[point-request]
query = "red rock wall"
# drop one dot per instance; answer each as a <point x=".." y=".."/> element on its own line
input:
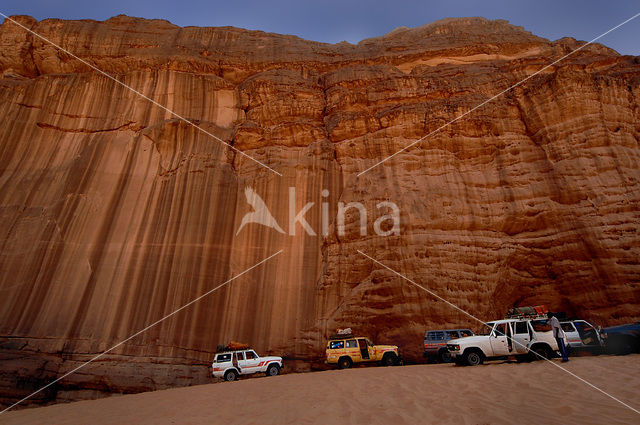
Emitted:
<point x="114" y="213"/>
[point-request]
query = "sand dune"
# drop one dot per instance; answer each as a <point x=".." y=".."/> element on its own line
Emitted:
<point x="495" y="393"/>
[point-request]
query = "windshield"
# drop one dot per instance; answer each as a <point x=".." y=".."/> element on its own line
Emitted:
<point x="485" y="329"/>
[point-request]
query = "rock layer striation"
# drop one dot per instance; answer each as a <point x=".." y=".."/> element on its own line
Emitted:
<point x="115" y="212"/>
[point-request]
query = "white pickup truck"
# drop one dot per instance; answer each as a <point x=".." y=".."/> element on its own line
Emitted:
<point x="524" y="338"/>
<point x="231" y="364"/>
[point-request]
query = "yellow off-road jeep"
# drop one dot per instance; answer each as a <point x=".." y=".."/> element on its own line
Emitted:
<point x="345" y="350"/>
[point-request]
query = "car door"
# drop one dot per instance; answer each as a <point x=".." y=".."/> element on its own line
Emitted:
<point x="499" y="343"/>
<point x="251" y="362"/>
<point x="572" y="335"/>
<point x="238" y="361"/>
<point x="352" y="350"/>
<point x="587" y="333"/>
<point x="521" y="337"/>
<point x="364" y="349"/>
<point x="371" y="349"/>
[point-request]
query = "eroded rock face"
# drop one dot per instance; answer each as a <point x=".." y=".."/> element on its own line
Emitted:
<point x="114" y="212"/>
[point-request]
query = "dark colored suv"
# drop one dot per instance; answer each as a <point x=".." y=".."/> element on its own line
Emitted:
<point x="435" y="343"/>
<point x="622" y="339"/>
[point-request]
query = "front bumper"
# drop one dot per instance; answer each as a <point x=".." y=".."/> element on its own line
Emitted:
<point x="454" y="351"/>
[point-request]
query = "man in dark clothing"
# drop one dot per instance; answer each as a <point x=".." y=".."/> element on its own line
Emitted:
<point x="558" y="334"/>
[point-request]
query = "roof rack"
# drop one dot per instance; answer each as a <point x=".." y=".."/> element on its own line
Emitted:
<point x="341" y="336"/>
<point x="342" y="333"/>
<point x="529" y="312"/>
<point x="233" y="346"/>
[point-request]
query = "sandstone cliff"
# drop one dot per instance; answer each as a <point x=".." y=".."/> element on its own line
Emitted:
<point x="114" y="213"/>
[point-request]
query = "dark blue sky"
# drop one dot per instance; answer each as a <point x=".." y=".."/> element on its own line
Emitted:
<point x="335" y="20"/>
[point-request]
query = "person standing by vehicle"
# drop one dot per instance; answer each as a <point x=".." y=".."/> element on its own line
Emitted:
<point x="558" y="334"/>
<point x="235" y="361"/>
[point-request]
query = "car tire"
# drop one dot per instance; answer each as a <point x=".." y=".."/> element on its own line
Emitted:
<point x="389" y="359"/>
<point x="273" y="370"/>
<point x="472" y="358"/>
<point x="540" y="352"/>
<point x="444" y="356"/>
<point x="230" y="375"/>
<point x="345" y="362"/>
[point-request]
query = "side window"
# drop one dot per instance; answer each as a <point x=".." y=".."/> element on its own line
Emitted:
<point x="466" y="332"/>
<point x="541" y="325"/>
<point x="452" y="335"/>
<point x="240" y="355"/>
<point x="437" y="336"/>
<point x="222" y="358"/>
<point x="500" y="329"/>
<point x="567" y="327"/>
<point x="584" y="325"/>
<point x="521" y="328"/>
<point x="352" y="343"/>
<point x="333" y="345"/>
<point x="250" y="355"/>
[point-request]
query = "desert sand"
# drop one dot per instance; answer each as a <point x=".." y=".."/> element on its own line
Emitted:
<point x="495" y="393"/>
<point x="114" y="213"/>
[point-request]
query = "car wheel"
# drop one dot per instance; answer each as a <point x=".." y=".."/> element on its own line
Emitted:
<point x="472" y="358"/>
<point x="273" y="370"/>
<point x="345" y="363"/>
<point x="540" y="353"/>
<point x="444" y="356"/>
<point x="230" y="375"/>
<point x="389" y="359"/>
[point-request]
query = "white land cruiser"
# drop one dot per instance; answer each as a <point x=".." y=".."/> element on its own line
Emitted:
<point x="527" y="339"/>
<point x="231" y="364"/>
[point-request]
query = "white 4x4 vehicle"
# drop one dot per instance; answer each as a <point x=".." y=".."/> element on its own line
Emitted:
<point x="231" y="364"/>
<point x="523" y="338"/>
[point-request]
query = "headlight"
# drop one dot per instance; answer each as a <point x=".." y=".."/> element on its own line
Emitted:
<point x="453" y="347"/>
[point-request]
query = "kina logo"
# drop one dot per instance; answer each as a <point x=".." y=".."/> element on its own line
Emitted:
<point x="385" y="225"/>
<point x="260" y="213"/>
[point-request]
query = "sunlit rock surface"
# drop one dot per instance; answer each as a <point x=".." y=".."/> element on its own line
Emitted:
<point x="114" y="212"/>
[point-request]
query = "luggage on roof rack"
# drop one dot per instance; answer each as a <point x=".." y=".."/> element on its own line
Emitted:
<point x="233" y="346"/>
<point x="342" y="333"/>
<point x="529" y="312"/>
